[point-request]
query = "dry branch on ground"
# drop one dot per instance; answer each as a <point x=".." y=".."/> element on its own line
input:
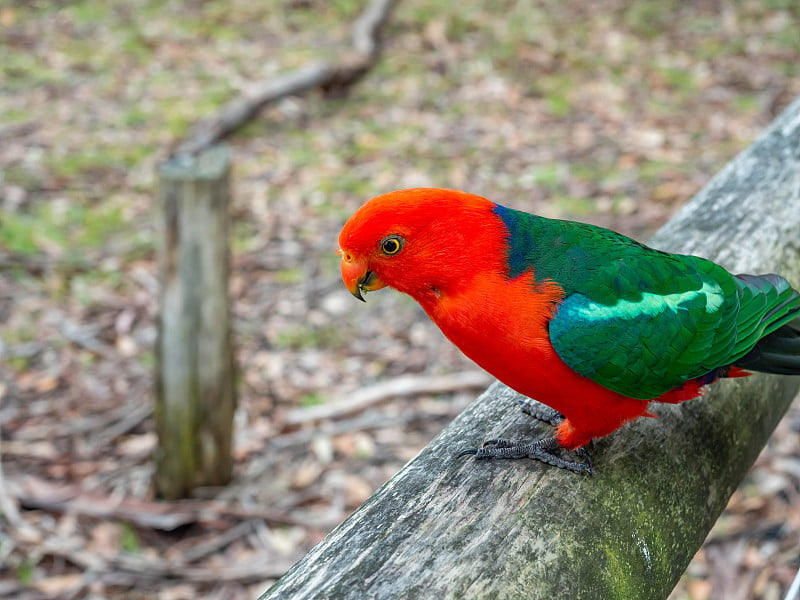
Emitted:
<point x="330" y="75"/>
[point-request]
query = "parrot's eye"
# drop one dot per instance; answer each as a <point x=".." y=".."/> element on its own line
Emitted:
<point x="391" y="245"/>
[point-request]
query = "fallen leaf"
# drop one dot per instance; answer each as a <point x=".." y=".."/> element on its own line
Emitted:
<point x="356" y="490"/>
<point x="306" y="474"/>
<point x="59" y="584"/>
<point x="138" y="445"/>
<point x="699" y="589"/>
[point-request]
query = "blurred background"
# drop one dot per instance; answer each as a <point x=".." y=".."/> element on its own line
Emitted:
<point x="613" y="112"/>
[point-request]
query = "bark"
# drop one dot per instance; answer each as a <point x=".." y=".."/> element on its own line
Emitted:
<point x="195" y="389"/>
<point x="456" y="528"/>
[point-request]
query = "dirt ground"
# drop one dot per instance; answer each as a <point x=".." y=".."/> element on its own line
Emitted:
<point x="611" y="112"/>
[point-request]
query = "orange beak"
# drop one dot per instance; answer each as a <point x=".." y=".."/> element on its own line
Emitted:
<point x="357" y="277"/>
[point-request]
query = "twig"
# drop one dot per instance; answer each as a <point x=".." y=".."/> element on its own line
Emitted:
<point x="201" y="549"/>
<point x="240" y="110"/>
<point x="108" y="425"/>
<point x="18" y="129"/>
<point x="83" y="337"/>
<point x="10" y="510"/>
<point x="22" y="350"/>
<point x="361" y="422"/>
<point x="167" y="516"/>
<point x="40" y="264"/>
<point x="130" y="419"/>
<point x="138" y="568"/>
<point x="408" y="385"/>
<point x="318" y="74"/>
<point x="367" y="27"/>
<point x="257" y="466"/>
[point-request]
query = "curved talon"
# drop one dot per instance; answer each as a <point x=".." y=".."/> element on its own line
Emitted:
<point x="584" y="454"/>
<point x="496" y="443"/>
<point x="488" y="444"/>
<point x="472" y="451"/>
<point x="541" y="412"/>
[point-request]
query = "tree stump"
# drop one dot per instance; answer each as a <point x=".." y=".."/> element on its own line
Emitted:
<point x="195" y="389"/>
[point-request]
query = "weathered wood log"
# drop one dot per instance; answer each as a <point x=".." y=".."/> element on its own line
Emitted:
<point x="195" y="388"/>
<point x="457" y="528"/>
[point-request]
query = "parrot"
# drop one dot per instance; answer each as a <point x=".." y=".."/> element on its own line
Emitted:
<point x="590" y="323"/>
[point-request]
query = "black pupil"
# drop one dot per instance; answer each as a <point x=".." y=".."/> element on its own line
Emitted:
<point x="391" y="246"/>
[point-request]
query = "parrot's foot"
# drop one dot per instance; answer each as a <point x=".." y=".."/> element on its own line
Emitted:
<point x="541" y="412"/>
<point x="543" y="450"/>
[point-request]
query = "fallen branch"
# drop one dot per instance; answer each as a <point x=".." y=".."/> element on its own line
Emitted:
<point x="323" y="74"/>
<point x="83" y="336"/>
<point x="40" y="264"/>
<point x="9" y="508"/>
<point x="199" y="549"/>
<point x="18" y="129"/>
<point x="362" y="422"/>
<point x="137" y="569"/>
<point x="104" y="427"/>
<point x="407" y="385"/>
<point x="128" y="421"/>
<point x="35" y="493"/>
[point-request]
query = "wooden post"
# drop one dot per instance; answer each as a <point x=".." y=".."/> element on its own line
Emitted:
<point x="447" y="527"/>
<point x="195" y="389"/>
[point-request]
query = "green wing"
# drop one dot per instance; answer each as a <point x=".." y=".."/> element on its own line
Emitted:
<point x="689" y="317"/>
<point x="639" y="321"/>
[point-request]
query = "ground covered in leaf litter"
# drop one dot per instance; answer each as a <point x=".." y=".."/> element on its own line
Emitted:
<point x="611" y="112"/>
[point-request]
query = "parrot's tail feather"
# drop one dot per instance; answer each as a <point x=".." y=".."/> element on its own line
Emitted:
<point x="734" y="372"/>
<point x="778" y="292"/>
<point x="777" y="353"/>
<point x="695" y="387"/>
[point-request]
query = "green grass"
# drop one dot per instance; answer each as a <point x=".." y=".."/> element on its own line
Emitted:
<point x="574" y="206"/>
<point x="67" y="228"/>
<point x="312" y="399"/>
<point x="25" y="572"/>
<point x="289" y="276"/>
<point x="550" y="176"/>
<point x="747" y="102"/>
<point x="648" y="19"/>
<point x="678" y="79"/>
<point x="309" y="336"/>
<point x="129" y="539"/>
<point x="21" y="71"/>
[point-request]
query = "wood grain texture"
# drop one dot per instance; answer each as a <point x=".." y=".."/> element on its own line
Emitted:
<point x="458" y="528"/>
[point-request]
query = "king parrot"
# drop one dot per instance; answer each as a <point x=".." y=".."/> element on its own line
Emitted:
<point x="585" y="320"/>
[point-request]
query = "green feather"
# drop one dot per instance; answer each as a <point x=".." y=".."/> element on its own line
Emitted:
<point x="637" y="320"/>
